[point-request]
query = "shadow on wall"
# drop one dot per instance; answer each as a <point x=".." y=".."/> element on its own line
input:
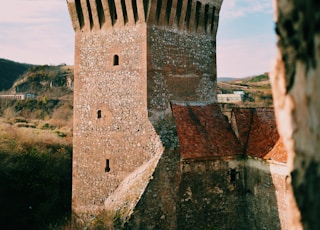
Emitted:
<point x="226" y="191"/>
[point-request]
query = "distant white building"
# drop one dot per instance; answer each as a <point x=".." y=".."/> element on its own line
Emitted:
<point x="18" y="96"/>
<point x="241" y="92"/>
<point x="236" y="96"/>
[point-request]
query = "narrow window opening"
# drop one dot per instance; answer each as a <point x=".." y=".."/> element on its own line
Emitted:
<point x="107" y="168"/>
<point x="135" y="10"/>
<point x="188" y="13"/>
<point x="113" y="12"/>
<point x="233" y="175"/>
<point x="115" y="60"/>
<point x="212" y="20"/>
<point x="168" y="10"/>
<point x="178" y="11"/>
<point x="146" y="8"/>
<point x="159" y="4"/>
<point x="90" y="14"/>
<point x="198" y="9"/>
<point x="206" y="17"/>
<point x="100" y="12"/>
<point x="79" y="13"/>
<point x="99" y="114"/>
<point x="124" y="11"/>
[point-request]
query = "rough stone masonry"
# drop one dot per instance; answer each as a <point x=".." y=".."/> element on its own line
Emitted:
<point x="131" y="59"/>
<point x="135" y="61"/>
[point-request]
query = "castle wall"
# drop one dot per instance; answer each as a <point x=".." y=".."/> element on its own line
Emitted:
<point x="224" y="193"/>
<point x="112" y="133"/>
<point x="211" y="194"/>
<point x="266" y="194"/>
<point x="181" y="66"/>
<point x="193" y="194"/>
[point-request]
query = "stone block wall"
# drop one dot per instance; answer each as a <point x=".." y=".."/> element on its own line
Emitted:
<point x="266" y="195"/>
<point x="211" y="194"/>
<point x="193" y="194"/>
<point x="112" y="133"/>
<point x="181" y="67"/>
<point x="222" y="193"/>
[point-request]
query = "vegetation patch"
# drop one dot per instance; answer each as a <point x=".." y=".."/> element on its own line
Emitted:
<point x="35" y="187"/>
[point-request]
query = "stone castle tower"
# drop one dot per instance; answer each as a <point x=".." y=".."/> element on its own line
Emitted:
<point x="132" y="58"/>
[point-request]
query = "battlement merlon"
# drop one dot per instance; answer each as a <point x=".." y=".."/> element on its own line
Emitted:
<point x="195" y="16"/>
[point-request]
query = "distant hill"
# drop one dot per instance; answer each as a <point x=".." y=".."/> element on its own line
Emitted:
<point x="257" y="90"/>
<point x="226" y="79"/>
<point x="10" y="71"/>
<point x="45" y="80"/>
<point x="52" y="89"/>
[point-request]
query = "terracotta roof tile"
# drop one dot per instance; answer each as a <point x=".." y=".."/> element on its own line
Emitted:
<point x="263" y="140"/>
<point x="241" y="119"/>
<point x="278" y="152"/>
<point x="204" y="132"/>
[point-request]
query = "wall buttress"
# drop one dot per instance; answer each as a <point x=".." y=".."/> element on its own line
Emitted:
<point x="106" y="10"/>
<point x="94" y="13"/>
<point x="182" y="19"/>
<point x="74" y="15"/>
<point x="119" y="10"/>
<point x="192" y="18"/>
<point x="173" y="12"/>
<point x="131" y="20"/>
<point x="141" y="13"/>
<point x="86" y="20"/>
<point x="201" y="19"/>
<point x="210" y="19"/>
<point x="153" y="12"/>
<point x="162" y="16"/>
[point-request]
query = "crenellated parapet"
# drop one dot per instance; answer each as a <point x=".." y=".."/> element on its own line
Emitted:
<point x="92" y="15"/>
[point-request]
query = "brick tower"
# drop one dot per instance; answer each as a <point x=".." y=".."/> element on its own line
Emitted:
<point x="132" y="59"/>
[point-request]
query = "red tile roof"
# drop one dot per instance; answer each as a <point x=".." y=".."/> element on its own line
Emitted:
<point x="204" y="132"/>
<point x="241" y="119"/>
<point x="261" y="134"/>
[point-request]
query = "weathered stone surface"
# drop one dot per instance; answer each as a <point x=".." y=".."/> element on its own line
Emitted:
<point x="296" y="93"/>
<point x="131" y="59"/>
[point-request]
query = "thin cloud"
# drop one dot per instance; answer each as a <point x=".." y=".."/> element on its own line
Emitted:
<point x="232" y="9"/>
<point x="31" y="11"/>
<point x="36" y="32"/>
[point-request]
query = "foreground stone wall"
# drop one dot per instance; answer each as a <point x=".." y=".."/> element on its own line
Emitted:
<point x="266" y="194"/>
<point x="295" y="82"/>
<point x="211" y="194"/>
<point x="221" y="193"/>
<point x="193" y="194"/>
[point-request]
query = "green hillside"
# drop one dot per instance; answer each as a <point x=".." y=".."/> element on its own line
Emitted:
<point x="10" y="71"/>
<point x="257" y="90"/>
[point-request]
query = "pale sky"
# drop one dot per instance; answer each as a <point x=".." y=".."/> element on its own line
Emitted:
<point x="40" y="32"/>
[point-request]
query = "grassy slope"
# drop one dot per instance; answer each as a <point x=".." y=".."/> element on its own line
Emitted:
<point x="257" y="89"/>
<point x="36" y="153"/>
